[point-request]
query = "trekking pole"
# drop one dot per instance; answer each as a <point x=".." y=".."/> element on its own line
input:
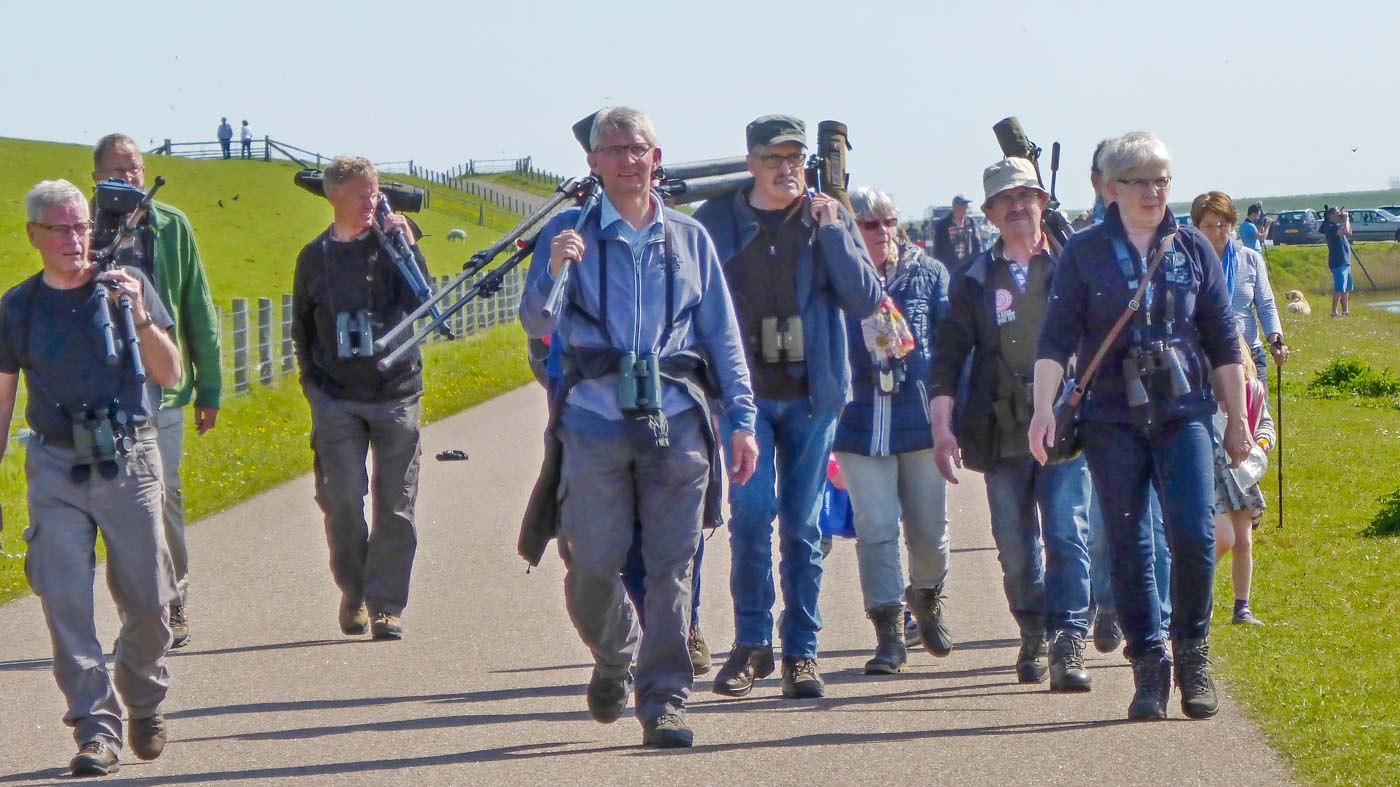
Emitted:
<point x="1357" y="257"/>
<point x="1278" y="440"/>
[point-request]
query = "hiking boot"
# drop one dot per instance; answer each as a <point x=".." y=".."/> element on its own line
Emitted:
<point x="1030" y="662"/>
<point x="802" y="680"/>
<point x="744" y="666"/>
<point x="927" y="606"/>
<point x="354" y="616"/>
<point x="667" y="731"/>
<point x="890" y="654"/>
<point x="699" y="651"/>
<point x="1067" y="663"/>
<point x="95" y="758"/>
<point x="607" y="696"/>
<point x="1152" y="680"/>
<point x="179" y="627"/>
<point x="1198" y="699"/>
<point x="386" y="626"/>
<point x="912" y="637"/>
<point x="147" y="737"/>
<point x="1107" y="635"/>
<point x="1243" y="615"/>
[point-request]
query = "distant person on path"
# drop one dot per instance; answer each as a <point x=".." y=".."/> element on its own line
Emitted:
<point x="1255" y="229"/>
<point x="246" y="134"/>
<point x="997" y="305"/>
<point x="616" y="457"/>
<point x="164" y="249"/>
<point x="1239" y="503"/>
<point x="1146" y="420"/>
<point x="1247" y="275"/>
<point x="795" y="265"/>
<point x="884" y="446"/>
<point x="955" y="240"/>
<point x="346" y="292"/>
<point x="225" y="137"/>
<point x="1336" y="228"/>
<point x="83" y="479"/>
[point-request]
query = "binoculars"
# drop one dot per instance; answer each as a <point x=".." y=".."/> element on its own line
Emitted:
<point x="889" y="376"/>
<point x="638" y="382"/>
<point x="97" y="439"/>
<point x="1148" y="360"/>
<point x="354" y="334"/>
<point x="781" y="340"/>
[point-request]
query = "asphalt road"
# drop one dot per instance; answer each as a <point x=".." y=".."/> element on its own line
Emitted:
<point x="487" y="687"/>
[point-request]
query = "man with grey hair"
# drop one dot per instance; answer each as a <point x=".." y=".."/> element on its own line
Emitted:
<point x="92" y="466"/>
<point x="346" y="292"/>
<point x="164" y="249"/>
<point x="649" y="339"/>
<point x="1038" y="514"/>
<point x="794" y="264"/>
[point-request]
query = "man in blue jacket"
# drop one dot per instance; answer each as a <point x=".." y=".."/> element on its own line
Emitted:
<point x="793" y="263"/>
<point x="648" y="339"/>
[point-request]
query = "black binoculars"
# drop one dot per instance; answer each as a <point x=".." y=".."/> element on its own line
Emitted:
<point x="782" y="340"/>
<point x="638" y="382"/>
<point x="354" y="334"/>
<point x="1144" y="362"/>
<point x="97" y="439"/>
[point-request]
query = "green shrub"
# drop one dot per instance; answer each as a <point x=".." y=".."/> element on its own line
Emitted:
<point x="1353" y="377"/>
<point x="1387" y="520"/>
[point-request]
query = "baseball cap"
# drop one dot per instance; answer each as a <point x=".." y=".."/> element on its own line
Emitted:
<point x="961" y="200"/>
<point x="1007" y="174"/>
<point x="774" y="130"/>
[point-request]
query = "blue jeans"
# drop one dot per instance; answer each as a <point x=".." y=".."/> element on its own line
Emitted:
<point x="634" y="577"/>
<point x="1178" y="462"/>
<point x="1101" y="561"/>
<point x="793" y="446"/>
<point x="1053" y="596"/>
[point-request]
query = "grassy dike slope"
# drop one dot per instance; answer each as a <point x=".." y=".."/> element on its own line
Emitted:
<point x="249" y="248"/>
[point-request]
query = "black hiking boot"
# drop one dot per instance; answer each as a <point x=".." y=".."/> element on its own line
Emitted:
<point x="744" y="666"/>
<point x="94" y="758"/>
<point x="1198" y="698"/>
<point x="891" y="656"/>
<point x="926" y="604"/>
<point x="1107" y="635"/>
<point x="1030" y="662"/>
<point x="1067" y="663"/>
<point x="667" y="731"/>
<point x="1152" y="679"/>
<point x="607" y="696"/>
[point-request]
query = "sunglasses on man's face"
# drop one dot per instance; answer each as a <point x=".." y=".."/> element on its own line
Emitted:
<point x="875" y="224"/>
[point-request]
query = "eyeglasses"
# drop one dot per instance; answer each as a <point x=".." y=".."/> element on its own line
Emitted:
<point x="634" y="152"/>
<point x="875" y="224"/>
<point x="82" y="227"/>
<point x="1147" y="184"/>
<point x="1215" y="225"/>
<point x="774" y="160"/>
<point x="1022" y="195"/>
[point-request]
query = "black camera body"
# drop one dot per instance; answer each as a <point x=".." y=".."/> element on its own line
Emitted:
<point x="112" y="202"/>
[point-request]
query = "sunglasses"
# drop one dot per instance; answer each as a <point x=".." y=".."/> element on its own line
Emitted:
<point x="875" y="224"/>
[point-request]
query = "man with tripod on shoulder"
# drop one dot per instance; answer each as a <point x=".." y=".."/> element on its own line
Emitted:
<point x="92" y="466"/>
<point x="164" y="249"/>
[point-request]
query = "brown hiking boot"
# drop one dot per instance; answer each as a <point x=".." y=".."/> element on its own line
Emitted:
<point x="699" y="652"/>
<point x="147" y="736"/>
<point x="386" y="626"/>
<point x="179" y="627"/>
<point x="354" y="616"/>
<point x="95" y="758"/>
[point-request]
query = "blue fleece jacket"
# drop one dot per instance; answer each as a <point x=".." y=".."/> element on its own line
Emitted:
<point x="834" y="274"/>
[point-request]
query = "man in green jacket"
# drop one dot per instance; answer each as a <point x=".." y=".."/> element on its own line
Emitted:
<point x="165" y="251"/>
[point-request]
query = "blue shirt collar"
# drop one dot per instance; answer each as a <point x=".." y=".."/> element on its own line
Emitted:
<point x="608" y="216"/>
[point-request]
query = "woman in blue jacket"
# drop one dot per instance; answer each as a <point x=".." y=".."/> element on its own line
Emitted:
<point x="884" y="443"/>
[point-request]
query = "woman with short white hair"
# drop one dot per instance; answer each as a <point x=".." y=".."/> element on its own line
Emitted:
<point x="1149" y="298"/>
<point x="884" y="441"/>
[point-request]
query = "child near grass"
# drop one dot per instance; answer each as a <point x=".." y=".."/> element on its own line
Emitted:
<point x="1239" y="504"/>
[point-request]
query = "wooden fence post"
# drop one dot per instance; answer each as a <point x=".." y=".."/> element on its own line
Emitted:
<point x="265" y="341"/>
<point x="288" y="360"/>
<point x="481" y="216"/>
<point x="240" y="345"/>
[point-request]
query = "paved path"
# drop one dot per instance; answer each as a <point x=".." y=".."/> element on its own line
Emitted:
<point x="488" y="686"/>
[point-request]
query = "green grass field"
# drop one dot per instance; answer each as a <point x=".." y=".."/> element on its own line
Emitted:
<point x="1305" y="267"/>
<point x="517" y="180"/>
<point x="1347" y="199"/>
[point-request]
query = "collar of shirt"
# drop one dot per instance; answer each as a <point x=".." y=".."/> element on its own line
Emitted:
<point x="610" y="219"/>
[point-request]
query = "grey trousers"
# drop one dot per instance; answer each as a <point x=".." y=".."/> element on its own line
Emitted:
<point x="60" y="564"/>
<point x="608" y="486"/>
<point x="170" y="437"/>
<point x="371" y="562"/>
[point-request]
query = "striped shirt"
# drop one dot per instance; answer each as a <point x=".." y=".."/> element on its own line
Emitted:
<point x="1252" y="292"/>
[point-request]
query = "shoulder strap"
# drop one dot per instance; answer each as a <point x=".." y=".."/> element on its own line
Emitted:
<point x="1133" y="305"/>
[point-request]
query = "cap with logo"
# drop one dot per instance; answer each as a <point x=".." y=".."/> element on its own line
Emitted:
<point x="772" y="130"/>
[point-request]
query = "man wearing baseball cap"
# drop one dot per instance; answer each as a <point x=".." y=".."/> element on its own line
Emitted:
<point x="997" y="304"/>
<point x="793" y="263"/>
<point x="955" y="240"/>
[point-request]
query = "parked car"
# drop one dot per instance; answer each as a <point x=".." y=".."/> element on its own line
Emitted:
<point x="1374" y="224"/>
<point x="1393" y="210"/>
<point x="1296" y="227"/>
<point x="1183" y="219"/>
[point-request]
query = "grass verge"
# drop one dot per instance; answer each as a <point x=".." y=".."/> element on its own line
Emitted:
<point x="1322" y="679"/>
<point x="263" y="439"/>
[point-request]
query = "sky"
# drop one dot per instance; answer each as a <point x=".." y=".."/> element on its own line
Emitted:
<point x="1252" y="99"/>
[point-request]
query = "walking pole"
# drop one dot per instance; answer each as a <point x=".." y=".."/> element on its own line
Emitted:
<point x="1278" y="439"/>
<point x="1357" y="257"/>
